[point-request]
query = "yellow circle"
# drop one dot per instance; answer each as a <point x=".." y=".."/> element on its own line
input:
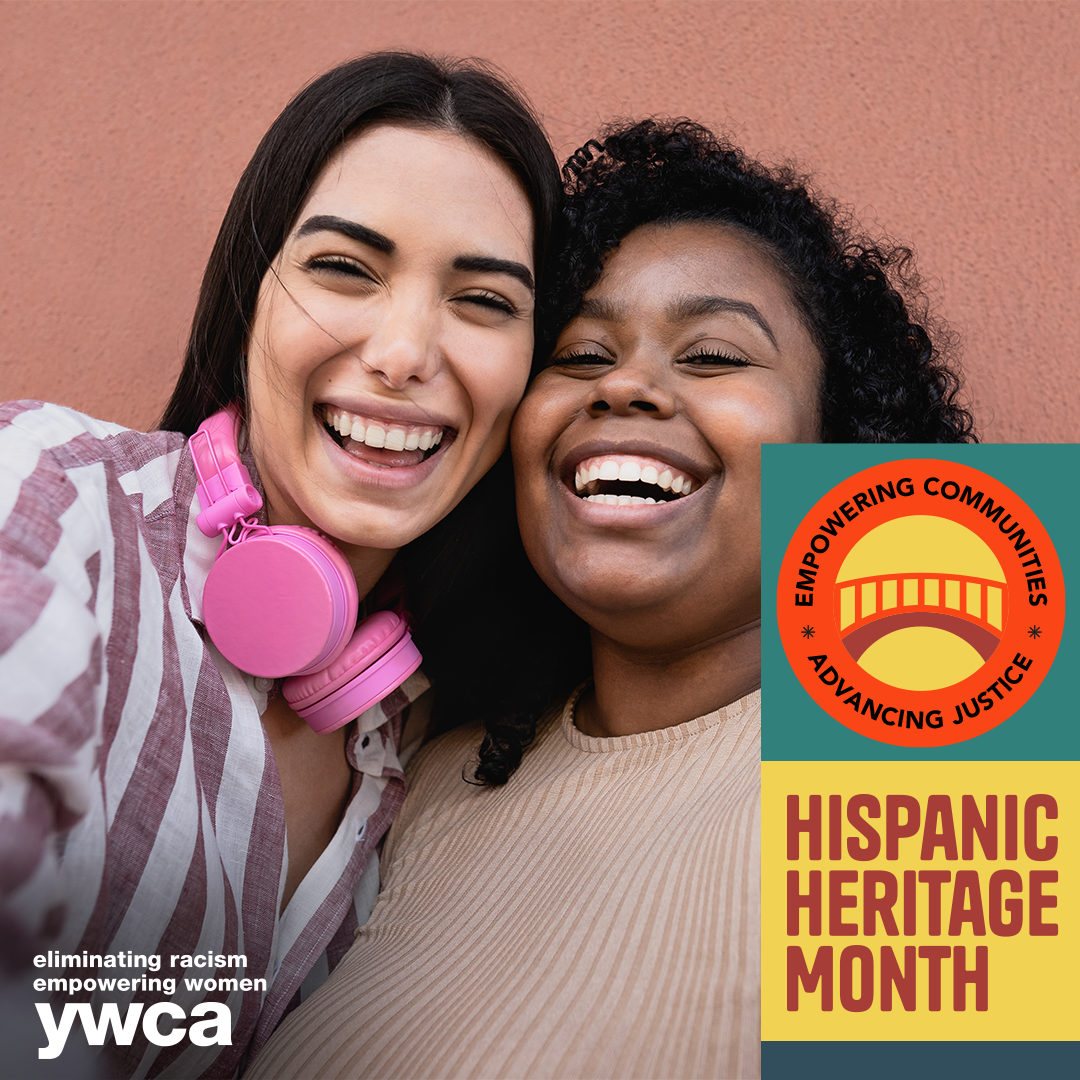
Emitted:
<point x="920" y="658"/>
<point x="921" y="544"/>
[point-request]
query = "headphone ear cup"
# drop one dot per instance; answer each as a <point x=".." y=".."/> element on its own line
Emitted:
<point x="379" y="657"/>
<point x="281" y="602"/>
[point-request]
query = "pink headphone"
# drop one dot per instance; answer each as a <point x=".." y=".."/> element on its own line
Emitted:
<point x="281" y="599"/>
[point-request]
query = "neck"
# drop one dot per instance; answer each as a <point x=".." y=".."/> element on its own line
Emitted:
<point x="636" y="690"/>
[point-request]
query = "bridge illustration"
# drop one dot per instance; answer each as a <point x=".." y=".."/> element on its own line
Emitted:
<point x="868" y="608"/>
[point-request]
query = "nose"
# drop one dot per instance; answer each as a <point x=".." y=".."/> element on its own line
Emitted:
<point x="404" y="345"/>
<point x="631" y="387"/>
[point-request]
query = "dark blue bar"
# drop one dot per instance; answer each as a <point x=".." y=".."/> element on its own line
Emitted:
<point x="924" y="1060"/>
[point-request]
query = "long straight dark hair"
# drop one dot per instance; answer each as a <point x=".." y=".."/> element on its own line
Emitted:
<point x="462" y="96"/>
<point x="457" y="573"/>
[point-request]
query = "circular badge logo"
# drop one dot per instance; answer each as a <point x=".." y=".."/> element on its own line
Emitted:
<point x="920" y="602"/>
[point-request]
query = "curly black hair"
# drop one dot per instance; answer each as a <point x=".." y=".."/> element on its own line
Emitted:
<point x="889" y="370"/>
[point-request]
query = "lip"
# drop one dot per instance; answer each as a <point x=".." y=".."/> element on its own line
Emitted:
<point x="401" y="477"/>
<point x="642" y="515"/>
<point x="567" y="466"/>
<point x="392" y="412"/>
<point x="632" y="517"/>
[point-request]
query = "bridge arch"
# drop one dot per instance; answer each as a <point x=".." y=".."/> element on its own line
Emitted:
<point x="868" y="608"/>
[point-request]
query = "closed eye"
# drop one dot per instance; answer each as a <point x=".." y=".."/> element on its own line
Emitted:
<point x="338" y="264"/>
<point x="490" y="300"/>
<point x="711" y="358"/>
<point x="580" y="358"/>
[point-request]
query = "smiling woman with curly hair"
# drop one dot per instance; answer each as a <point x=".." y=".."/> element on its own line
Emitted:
<point x="888" y="372"/>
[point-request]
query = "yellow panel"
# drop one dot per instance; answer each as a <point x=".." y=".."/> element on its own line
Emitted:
<point x="993" y="606"/>
<point x="847" y="606"/>
<point x="930" y="591"/>
<point x="869" y="598"/>
<point x="952" y="594"/>
<point x="888" y="594"/>
<point x="911" y="592"/>
<point x="974" y="599"/>
<point x="1028" y="980"/>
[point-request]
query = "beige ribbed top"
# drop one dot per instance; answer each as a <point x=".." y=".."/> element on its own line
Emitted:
<point x="596" y="917"/>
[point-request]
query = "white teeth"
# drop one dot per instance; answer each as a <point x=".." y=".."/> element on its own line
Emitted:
<point x="380" y="435"/>
<point x="631" y="471"/>
<point x="620" y="500"/>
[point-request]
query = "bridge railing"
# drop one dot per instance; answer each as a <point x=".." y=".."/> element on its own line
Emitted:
<point x="862" y="600"/>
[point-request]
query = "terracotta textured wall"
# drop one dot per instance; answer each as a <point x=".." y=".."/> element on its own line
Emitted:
<point x="123" y="128"/>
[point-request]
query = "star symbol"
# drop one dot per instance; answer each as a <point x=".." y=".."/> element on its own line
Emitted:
<point x="807" y="631"/>
<point x="1034" y="631"/>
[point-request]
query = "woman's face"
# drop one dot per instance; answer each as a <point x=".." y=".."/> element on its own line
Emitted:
<point x="637" y="451"/>
<point x="392" y="337"/>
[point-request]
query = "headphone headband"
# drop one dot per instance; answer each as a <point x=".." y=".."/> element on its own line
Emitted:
<point x="226" y="493"/>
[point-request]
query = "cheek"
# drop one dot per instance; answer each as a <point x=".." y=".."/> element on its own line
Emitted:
<point x="494" y="379"/>
<point x="538" y="422"/>
<point x="278" y="370"/>
<point x="532" y="438"/>
<point x="521" y="435"/>
<point x="782" y="414"/>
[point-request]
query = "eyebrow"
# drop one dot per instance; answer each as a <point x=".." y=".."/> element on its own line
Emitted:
<point x="488" y="264"/>
<point x="680" y="310"/>
<point x="602" y="310"/>
<point x="485" y="264"/>
<point x="352" y="229"/>
<point x="692" y="307"/>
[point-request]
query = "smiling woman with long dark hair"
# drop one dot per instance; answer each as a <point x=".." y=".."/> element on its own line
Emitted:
<point x="363" y="335"/>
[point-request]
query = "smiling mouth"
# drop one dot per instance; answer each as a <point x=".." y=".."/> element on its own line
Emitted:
<point x="380" y="442"/>
<point x="627" y="480"/>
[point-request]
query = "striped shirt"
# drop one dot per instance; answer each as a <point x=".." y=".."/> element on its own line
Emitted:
<point x="140" y="806"/>
<point x="596" y="917"/>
